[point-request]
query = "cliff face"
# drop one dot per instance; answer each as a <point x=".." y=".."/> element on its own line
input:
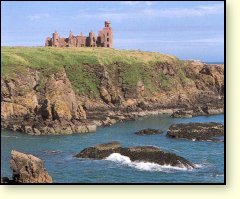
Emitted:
<point x="52" y="91"/>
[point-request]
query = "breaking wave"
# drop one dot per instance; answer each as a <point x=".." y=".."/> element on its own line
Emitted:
<point x="143" y="166"/>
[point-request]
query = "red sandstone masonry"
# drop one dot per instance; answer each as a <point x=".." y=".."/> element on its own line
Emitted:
<point x="104" y="39"/>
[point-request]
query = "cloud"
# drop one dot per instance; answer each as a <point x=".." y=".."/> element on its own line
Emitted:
<point x="133" y="3"/>
<point x="130" y="2"/>
<point x="120" y="15"/>
<point x="38" y="16"/>
<point x="186" y="12"/>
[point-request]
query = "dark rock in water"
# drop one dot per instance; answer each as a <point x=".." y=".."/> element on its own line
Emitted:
<point x="6" y="180"/>
<point x="100" y="151"/>
<point x="27" y="169"/>
<point x="196" y="131"/>
<point x="155" y="155"/>
<point x="139" y="153"/>
<point x="182" y="114"/>
<point x="149" y="132"/>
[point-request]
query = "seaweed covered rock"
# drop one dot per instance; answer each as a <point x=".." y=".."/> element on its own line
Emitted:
<point x="196" y="131"/>
<point x="100" y="151"/>
<point x="156" y="155"/>
<point x="138" y="153"/>
<point x="149" y="132"/>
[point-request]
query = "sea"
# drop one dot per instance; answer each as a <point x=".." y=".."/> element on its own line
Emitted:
<point x="57" y="152"/>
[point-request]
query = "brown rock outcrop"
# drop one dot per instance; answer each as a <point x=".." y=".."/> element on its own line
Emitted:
<point x="53" y="109"/>
<point x="27" y="169"/>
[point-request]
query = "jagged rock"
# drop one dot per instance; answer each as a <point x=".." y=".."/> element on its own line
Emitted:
<point x="61" y="110"/>
<point x="9" y="109"/>
<point x="81" y="129"/>
<point x="27" y="169"/>
<point x="155" y="155"/>
<point x="149" y="132"/>
<point x="183" y="114"/>
<point x="139" y="153"/>
<point x="100" y="151"/>
<point x="105" y="95"/>
<point x="196" y="131"/>
<point x="129" y="103"/>
<point x="212" y="110"/>
<point x="92" y="127"/>
<point x="61" y="98"/>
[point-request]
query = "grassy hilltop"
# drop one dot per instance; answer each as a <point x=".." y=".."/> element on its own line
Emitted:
<point x="126" y="67"/>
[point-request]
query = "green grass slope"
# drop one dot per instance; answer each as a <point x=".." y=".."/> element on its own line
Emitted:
<point x="84" y="65"/>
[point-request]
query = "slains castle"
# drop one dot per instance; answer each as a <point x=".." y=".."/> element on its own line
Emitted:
<point x="104" y="39"/>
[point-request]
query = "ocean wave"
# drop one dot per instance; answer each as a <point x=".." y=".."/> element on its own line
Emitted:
<point x="198" y="165"/>
<point x="219" y="175"/>
<point x="143" y="166"/>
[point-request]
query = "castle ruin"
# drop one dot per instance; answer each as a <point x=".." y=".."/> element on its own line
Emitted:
<point x="104" y="39"/>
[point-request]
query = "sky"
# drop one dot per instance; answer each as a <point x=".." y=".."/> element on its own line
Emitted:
<point x="186" y="29"/>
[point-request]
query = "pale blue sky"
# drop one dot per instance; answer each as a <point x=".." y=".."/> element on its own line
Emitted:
<point x="189" y="30"/>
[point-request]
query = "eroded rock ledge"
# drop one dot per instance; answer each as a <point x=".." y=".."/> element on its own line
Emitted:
<point x="197" y="131"/>
<point x="27" y="169"/>
<point x="138" y="153"/>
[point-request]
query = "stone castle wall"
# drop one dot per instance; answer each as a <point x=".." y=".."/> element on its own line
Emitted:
<point x="104" y="39"/>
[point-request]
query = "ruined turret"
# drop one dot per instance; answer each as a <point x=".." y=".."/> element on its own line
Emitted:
<point x="92" y="39"/>
<point x="55" y="39"/>
<point x="70" y="39"/>
<point x="104" y="39"/>
<point x="106" y="36"/>
<point x="107" y="23"/>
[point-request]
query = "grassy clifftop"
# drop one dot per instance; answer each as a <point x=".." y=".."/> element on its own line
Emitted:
<point x="84" y="65"/>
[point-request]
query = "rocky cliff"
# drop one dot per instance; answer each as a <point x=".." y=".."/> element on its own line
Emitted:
<point x="63" y="91"/>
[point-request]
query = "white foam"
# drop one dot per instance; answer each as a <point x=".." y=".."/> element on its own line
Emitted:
<point x="198" y="165"/>
<point x="144" y="166"/>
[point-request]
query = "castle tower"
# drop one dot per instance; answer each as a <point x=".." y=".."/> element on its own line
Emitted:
<point x="107" y="35"/>
<point x="70" y="42"/>
<point x="107" y="23"/>
<point x="70" y="34"/>
<point x="55" y="39"/>
<point x="92" y="39"/>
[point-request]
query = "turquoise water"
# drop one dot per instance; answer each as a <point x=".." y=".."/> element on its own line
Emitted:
<point x="64" y="168"/>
